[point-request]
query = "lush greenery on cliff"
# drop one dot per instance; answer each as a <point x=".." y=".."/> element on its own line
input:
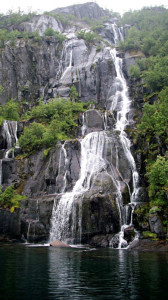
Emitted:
<point x="50" y="122"/>
<point x="148" y="32"/>
<point x="46" y="123"/>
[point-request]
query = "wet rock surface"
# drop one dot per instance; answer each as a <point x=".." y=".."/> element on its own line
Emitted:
<point x="10" y="224"/>
<point x="129" y="233"/>
<point x="99" y="215"/>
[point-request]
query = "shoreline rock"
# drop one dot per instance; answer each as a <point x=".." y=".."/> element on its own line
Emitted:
<point x="59" y="244"/>
<point x="149" y="245"/>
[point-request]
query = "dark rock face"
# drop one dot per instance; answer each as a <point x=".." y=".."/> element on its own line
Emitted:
<point x="10" y="224"/>
<point x="41" y="174"/>
<point x="129" y="234"/>
<point x="35" y="215"/>
<point x="93" y="121"/>
<point x="30" y="70"/>
<point x="100" y="240"/>
<point x="156" y="225"/>
<point x="99" y="215"/>
<point x="149" y="245"/>
<point x="30" y="222"/>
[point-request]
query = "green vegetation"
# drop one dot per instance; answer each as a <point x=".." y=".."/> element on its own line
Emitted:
<point x="56" y="34"/>
<point x="52" y="122"/>
<point x="148" y="29"/>
<point x="11" y="36"/>
<point x="89" y="36"/>
<point x="149" y="234"/>
<point x="158" y="182"/>
<point x="15" y="18"/>
<point x="73" y="94"/>
<point x="9" y="111"/>
<point x="148" y="33"/>
<point x="10" y="198"/>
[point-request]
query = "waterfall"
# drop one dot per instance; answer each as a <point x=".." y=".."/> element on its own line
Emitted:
<point x="9" y="132"/>
<point x="98" y="150"/>
<point x="122" y="103"/>
<point x="62" y="168"/>
<point x="69" y="67"/>
<point x="92" y="163"/>
<point x="10" y="135"/>
<point x="121" y="97"/>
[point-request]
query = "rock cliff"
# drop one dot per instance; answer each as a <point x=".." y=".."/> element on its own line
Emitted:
<point x="47" y="68"/>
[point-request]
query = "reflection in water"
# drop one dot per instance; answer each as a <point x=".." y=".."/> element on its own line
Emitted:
<point x="51" y="273"/>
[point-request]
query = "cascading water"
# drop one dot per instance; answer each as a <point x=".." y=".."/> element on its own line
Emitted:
<point x="92" y="163"/>
<point x="122" y="103"/>
<point x="10" y="135"/>
<point x="62" y="169"/>
<point x="9" y="131"/>
<point x="66" y="219"/>
<point x="69" y="67"/>
<point x="121" y="97"/>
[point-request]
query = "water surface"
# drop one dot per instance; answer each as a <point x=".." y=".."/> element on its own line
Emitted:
<point x="39" y="273"/>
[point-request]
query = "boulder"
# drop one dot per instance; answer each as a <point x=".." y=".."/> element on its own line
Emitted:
<point x="114" y="241"/>
<point x="129" y="233"/>
<point x="59" y="244"/>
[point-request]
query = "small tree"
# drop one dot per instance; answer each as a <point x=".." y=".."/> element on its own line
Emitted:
<point x="49" y="32"/>
<point x="158" y="181"/>
<point x="32" y="139"/>
<point x="73" y="94"/>
<point x="10" y="111"/>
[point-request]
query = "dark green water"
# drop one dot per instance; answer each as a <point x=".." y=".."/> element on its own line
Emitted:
<point x="39" y="273"/>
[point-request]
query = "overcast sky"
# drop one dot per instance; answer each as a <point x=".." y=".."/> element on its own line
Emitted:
<point x="47" y="5"/>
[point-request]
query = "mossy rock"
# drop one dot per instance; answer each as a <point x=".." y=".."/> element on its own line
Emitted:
<point x="149" y="234"/>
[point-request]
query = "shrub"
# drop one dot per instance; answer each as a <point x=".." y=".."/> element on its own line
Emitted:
<point x="10" y="198"/>
<point x="89" y="36"/>
<point x="73" y="93"/>
<point x="9" y="111"/>
<point x="56" y="34"/>
<point x="148" y="234"/>
<point x="134" y="71"/>
<point x="32" y="139"/>
<point x="158" y="181"/>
